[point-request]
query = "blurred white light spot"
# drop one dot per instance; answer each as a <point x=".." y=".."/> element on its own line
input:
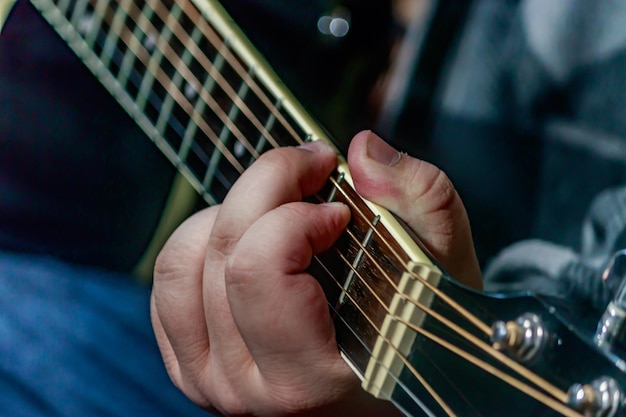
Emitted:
<point x="150" y="41"/>
<point x="191" y="91"/>
<point x="339" y="27"/>
<point x="85" y="24"/>
<point x="333" y="26"/>
<point x="240" y="149"/>
<point x="323" y="24"/>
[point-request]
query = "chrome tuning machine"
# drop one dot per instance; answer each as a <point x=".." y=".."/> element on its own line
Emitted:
<point x="601" y="398"/>
<point x="611" y="332"/>
<point x="523" y="337"/>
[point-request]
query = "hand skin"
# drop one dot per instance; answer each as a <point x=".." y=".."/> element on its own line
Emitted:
<point x="243" y="329"/>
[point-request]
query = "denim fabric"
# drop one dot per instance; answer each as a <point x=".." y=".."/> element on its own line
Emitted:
<point x="76" y="341"/>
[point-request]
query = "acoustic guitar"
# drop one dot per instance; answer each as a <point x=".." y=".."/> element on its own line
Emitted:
<point x="414" y="336"/>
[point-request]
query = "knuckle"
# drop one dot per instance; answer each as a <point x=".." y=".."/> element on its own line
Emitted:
<point x="435" y="191"/>
<point x="166" y="264"/>
<point x="239" y="268"/>
<point x="280" y="158"/>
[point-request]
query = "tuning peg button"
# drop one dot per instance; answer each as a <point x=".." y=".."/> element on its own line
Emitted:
<point x="614" y="277"/>
<point x="610" y="330"/>
<point x="601" y="398"/>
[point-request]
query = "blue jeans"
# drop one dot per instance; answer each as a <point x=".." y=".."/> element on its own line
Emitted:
<point x="75" y="341"/>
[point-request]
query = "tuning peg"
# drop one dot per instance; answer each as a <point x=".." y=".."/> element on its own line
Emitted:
<point x="601" y="398"/>
<point x="610" y="330"/>
<point x="524" y="337"/>
<point x="613" y="277"/>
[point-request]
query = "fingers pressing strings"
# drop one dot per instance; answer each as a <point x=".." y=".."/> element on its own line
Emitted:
<point x="134" y="44"/>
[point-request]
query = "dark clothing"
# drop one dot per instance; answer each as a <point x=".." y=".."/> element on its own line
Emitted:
<point x="530" y="124"/>
<point x="78" y="179"/>
<point x="529" y="118"/>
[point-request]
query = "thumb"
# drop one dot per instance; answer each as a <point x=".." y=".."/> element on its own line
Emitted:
<point x="421" y="195"/>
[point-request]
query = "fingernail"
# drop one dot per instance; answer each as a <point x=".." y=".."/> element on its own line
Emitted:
<point x="380" y="151"/>
<point x="317" y="146"/>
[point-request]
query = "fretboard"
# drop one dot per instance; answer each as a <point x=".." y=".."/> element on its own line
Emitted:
<point x="202" y="93"/>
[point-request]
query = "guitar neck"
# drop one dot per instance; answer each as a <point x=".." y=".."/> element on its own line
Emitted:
<point x="201" y="92"/>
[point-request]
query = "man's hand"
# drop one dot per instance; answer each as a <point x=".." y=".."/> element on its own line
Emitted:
<point x="242" y="327"/>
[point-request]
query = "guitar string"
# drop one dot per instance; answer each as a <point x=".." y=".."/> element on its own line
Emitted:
<point x="548" y="387"/>
<point x="236" y="101"/>
<point x="168" y="90"/>
<point x="551" y="402"/>
<point x="212" y="37"/>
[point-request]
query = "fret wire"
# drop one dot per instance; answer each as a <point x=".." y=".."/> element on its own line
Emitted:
<point x="222" y="82"/>
<point x="168" y="104"/>
<point x="129" y="57"/>
<point x="185" y="104"/>
<point x="154" y="62"/>
<point x="214" y="38"/>
<point x="224" y="135"/>
<point x="127" y="65"/>
<point x="200" y="105"/>
<point x="268" y="126"/>
<point x="95" y="22"/>
<point x="63" y="6"/>
<point x="359" y="256"/>
<point x="79" y="11"/>
<point x="112" y="38"/>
